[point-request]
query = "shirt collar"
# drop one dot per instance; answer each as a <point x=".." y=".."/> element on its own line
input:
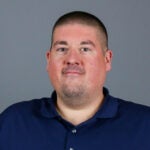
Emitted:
<point x="48" y="108"/>
<point x="107" y="110"/>
<point x="109" y="107"/>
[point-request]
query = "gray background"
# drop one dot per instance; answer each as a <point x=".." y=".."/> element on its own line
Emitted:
<point x="25" y="29"/>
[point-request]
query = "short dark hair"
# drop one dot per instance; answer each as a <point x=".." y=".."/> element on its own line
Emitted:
<point x="82" y="18"/>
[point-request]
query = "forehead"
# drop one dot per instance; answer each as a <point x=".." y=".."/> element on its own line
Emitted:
<point x="75" y="30"/>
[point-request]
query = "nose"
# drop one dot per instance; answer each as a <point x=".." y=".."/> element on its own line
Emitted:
<point x="72" y="58"/>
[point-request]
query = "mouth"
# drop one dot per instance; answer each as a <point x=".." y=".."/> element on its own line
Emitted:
<point x="73" y="71"/>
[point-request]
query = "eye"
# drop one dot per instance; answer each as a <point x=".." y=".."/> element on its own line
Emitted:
<point x="85" y="49"/>
<point x="61" y="49"/>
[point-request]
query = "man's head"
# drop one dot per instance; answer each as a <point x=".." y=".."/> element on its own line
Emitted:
<point x="83" y="18"/>
<point x="79" y="59"/>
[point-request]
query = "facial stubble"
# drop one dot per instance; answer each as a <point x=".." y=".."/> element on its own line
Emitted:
<point x="72" y="94"/>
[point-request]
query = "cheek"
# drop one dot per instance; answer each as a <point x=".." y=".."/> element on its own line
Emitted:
<point x="52" y="73"/>
<point x="97" y="65"/>
<point x="54" y="69"/>
<point x="97" y="69"/>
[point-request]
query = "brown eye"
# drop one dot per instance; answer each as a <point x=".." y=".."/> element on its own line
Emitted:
<point x="61" y="49"/>
<point x="85" y="49"/>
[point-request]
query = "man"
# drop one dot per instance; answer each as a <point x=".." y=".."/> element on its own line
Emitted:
<point x="80" y="115"/>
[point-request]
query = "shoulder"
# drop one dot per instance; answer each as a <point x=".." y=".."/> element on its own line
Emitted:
<point x="22" y="109"/>
<point x="133" y="110"/>
<point x="132" y="106"/>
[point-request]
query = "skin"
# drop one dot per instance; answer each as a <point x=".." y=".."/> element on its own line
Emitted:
<point x="77" y="67"/>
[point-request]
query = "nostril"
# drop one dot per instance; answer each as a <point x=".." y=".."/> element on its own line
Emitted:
<point x="72" y="63"/>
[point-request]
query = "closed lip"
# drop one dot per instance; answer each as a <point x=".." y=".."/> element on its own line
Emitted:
<point x="72" y="72"/>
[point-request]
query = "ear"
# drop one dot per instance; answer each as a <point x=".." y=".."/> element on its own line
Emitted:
<point x="108" y="59"/>
<point x="48" y="53"/>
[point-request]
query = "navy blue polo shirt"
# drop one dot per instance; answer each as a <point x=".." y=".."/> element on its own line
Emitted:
<point x="36" y="125"/>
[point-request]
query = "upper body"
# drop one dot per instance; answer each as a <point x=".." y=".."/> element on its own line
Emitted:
<point x="36" y="124"/>
<point x="77" y="65"/>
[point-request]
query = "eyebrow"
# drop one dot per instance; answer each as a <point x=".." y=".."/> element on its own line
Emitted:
<point x="88" y="42"/>
<point x="60" y="43"/>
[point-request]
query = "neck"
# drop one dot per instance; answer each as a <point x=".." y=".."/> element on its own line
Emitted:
<point x="80" y="113"/>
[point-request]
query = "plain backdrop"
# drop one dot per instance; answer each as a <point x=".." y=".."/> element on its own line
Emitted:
<point x="25" y="30"/>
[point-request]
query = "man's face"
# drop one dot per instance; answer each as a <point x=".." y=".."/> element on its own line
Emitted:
<point x="76" y="63"/>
